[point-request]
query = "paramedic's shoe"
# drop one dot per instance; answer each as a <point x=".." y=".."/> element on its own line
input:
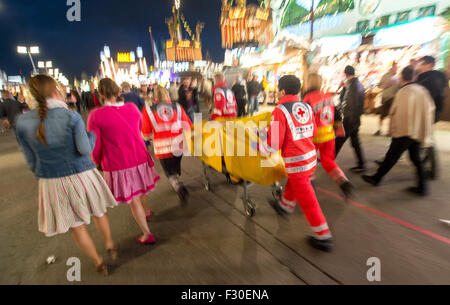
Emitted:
<point x="275" y="204"/>
<point x="358" y="169"/>
<point x="420" y="191"/>
<point x="322" y="245"/>
<point x="347" y="188"/>
<point x="371" y="180"/>
<point x="183" y="194"/>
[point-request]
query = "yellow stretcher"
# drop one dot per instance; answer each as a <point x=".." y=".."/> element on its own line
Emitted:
<point x="228" y="146"/>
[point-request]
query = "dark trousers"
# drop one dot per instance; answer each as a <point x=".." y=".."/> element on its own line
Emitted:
<point x="351" y="132"/>
<point x="240" y="107"/>
<point x="397" y="148"/>
<point x="432" y="157"/>
<point x="171" y="166"/>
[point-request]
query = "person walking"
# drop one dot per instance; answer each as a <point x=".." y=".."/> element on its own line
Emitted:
<point x="120" y="150"/>
<point x="187" y="98"/>
<point x="57" y="149"/>
<point x="130" y="96"/>
<point x="173" y="92"/>
<point x="224" y="101"/>
<point x="437" y="84"/>
<point x="10" y="109"/>
<point x="253" y="90"/>
<point x="166" y="121"/>
<point x="207" y="93"/>
<point x="412" y="117"/>
<point x="324" y="114"/>
<point x="293" y="128"/>
<point x="239" y="93"/>
<point x="352" y="107"/>
<point x="91" y="99"/>
<point x="389" y="84"/>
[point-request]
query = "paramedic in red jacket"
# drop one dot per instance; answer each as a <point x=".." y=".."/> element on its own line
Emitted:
<point x="166" y="121"/>
<point x="224" y="102"/>
<point x="292" y="130"/>
<point x="324" y="115"/>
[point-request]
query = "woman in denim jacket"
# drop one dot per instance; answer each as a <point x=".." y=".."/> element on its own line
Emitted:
<point x="71" y="190"/>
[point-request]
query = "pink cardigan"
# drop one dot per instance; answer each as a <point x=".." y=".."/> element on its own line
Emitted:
<point x="119" y="144"/>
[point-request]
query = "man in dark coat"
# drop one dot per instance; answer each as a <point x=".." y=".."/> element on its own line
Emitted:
<point x="436" y="82"/>
<point x="239" y="93"/>
<point x="352" y="107"/>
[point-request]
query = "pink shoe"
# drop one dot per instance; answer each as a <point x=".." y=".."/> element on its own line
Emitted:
<point x="149" y="241"/>
<point x="149" y="213"/>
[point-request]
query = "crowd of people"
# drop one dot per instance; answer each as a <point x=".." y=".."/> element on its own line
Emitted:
<point x="84" y="170"/>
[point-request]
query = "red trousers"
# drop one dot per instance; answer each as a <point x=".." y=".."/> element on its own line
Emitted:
<point x="327" y="159"/>
<point x="299" y="190"/>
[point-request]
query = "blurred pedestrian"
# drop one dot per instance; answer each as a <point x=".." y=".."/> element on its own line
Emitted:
<point x="436" y="83"/>
<point x="352" y="107"/>
<point x="173" y="92"/>
<point x="207" y="93"/>
<point x="224" y="101"/>
<point x="91" y="99"/>
<point x="239" y="93"/>
<point x="120" y="150"/>
<point x="253" y="90"/>
<point x="324" y="114"/>
<point x="186" y="97"/>
<point x="412" y="116"/>
<point x="165" y="121"/>
<point x="130" y="96"/>
<point x="389" y="84"/>
<point x="71" y="190"/>
<point x="10" y="109"/>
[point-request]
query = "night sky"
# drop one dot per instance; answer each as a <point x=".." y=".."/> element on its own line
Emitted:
<point x="74" y="47"/>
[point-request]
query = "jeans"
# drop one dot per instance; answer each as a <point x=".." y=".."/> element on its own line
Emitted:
<point x="171" y="166"/>
<point x="254" y="105"/>
<point x="397" y="148"/>
<point x="352" y="132"/>
<point x="190" y="113"/>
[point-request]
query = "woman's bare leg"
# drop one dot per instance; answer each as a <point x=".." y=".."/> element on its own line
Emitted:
<point x="102" y="224"/>
<point x="85" y="243"/>
<point x="139" y="215"/>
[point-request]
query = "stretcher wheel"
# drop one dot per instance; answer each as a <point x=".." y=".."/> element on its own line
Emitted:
<point x="277" y="191"/>
<point x="249" y="208"/>
<point x="208" y="186"/>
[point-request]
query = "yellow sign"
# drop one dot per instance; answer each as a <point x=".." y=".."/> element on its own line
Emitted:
<point x="262" y="14"/>
<point x="169" y="44"/>
<point x="184" y="44"/>
<point x="124" y="57"/>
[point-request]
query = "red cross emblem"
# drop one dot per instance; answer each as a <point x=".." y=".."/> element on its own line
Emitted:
<point x="300" y="112"/>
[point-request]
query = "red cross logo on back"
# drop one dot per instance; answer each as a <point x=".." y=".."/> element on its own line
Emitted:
<point x="300" y="112"/>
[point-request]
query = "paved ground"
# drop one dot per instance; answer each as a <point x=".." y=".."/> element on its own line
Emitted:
<point x="212" y="242"/>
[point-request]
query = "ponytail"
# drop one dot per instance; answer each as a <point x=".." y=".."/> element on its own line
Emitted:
<point x="41" y="87"/>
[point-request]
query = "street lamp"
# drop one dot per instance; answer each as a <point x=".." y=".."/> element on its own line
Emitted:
<point x="29" y="51"/>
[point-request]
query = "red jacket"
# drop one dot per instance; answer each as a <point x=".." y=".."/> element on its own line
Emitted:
<point x="224" y="102"/>
<point x="323" y="107"/>
<point x="292" y="130"/>
<point x="166" y="122"/>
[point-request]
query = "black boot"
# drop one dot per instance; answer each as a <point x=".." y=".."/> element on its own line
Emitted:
<point x="371" y="179"/>
<point x="322" y="245"/>
<point x="416" y="190"/>
<point x="347" y="188"/>
<point x="275" y="204"/>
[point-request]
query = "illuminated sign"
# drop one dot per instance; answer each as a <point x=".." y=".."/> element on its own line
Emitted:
<point x="125" y="57"/>
<point x="169" y="44"/>
<point x="184" y="44"/>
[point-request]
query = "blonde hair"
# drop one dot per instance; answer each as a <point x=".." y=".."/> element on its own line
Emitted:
<point x="161" y="95"/>
<point x="108" y="89"/>
<point x="313" y="82"/>
<point x="42" y="87"/>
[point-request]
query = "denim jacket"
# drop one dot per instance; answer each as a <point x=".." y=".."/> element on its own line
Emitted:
<point x="69" y="146"/>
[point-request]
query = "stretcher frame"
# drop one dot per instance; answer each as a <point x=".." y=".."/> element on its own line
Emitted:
<point x="249" y="205"/>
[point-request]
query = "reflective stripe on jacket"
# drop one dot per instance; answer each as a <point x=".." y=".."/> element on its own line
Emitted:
<point x="292" y="130"/>
<point x="323" y="107"/>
